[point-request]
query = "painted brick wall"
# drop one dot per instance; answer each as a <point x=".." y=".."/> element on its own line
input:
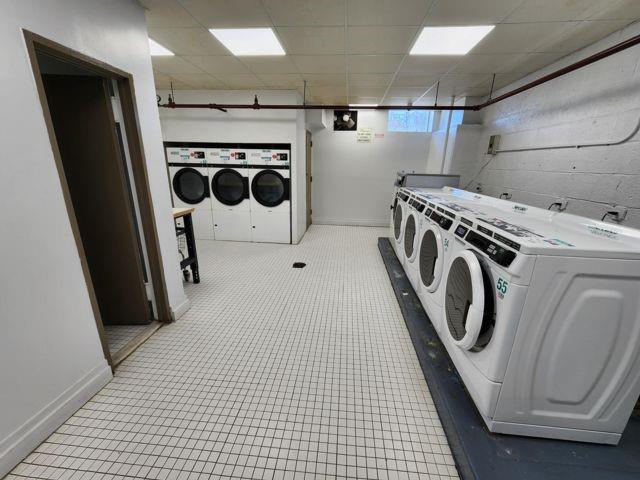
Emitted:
<point x="598" y="103"/>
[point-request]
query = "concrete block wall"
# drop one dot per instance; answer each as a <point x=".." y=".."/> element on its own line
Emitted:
<point x="599" y="103"/>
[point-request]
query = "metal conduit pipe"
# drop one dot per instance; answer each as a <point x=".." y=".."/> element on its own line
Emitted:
<point x="619" y="47"/>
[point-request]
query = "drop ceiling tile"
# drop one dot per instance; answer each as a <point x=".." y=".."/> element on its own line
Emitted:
<point x="386" y="12"/>
<point x="169" y="65"/>
<point x="487" y="63"/>
<point x="380" y="40"/>
<point x="373" y="63"/>
<point x="366" y="92"/>
<point x="522" y="37"/>
<point x="241" y="81"/>
<point x="167" y="13"/>
<point x="369" y="79"/>
<point x="216" y="64"/>
<point x="312" y="40"/>
<point x="330" y="93"/>
<point x="319" y="63"/>
<point x="416" y="81"/>
<point x="405" y="93"/>
<point x="464" y="81"/>
<point x="305" y="12"/>
<point x="552" y="10"/>
<point x="269" y="64"/>
<point x="428" y="64"/>
<point x="465" y="12"/>
<point x="617" y="10"/>
<point x="288" y="80"/>
<point x="324" y="79"/>
<point x="187" y="41"/>
<point x="364" y="100"/>
<point x="199" y="80"/>
<point x="584" y="34"/>
<point x="228" y="13"/>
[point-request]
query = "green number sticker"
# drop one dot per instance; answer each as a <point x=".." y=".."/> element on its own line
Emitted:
<point x="502" y="287"/>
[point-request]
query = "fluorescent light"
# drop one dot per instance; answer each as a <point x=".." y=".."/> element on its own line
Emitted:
<point x="249" y="41"/>
<point x="158" y="50"/>
<point x="449" y="40"/>
<point x="359" y="105"/>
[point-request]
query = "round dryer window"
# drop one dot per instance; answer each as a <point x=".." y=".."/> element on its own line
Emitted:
<point x="459" y="298"/>
<point x="428" y="257"/>
<point x="397" y="221"/>
<point x="190" y="186"/>
<point x="409" y="235"/>
<point x="269" y="188"/>
<point x="229" y="186"/>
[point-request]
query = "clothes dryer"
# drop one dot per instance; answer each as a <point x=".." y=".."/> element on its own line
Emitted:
<point x="230" y="193"/>
<point x="189" y="177"/>
<point x="542" y="320"/>
<point x="270" y="184"/>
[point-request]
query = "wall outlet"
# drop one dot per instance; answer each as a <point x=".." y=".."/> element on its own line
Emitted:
<point x="494" y="144"/>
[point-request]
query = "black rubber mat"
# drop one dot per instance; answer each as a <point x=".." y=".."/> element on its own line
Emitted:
<point x="480" y="454"/>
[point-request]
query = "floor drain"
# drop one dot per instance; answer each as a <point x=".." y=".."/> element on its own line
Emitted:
<point x="299" y="265"/>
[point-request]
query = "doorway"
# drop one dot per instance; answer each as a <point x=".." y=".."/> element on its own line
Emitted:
<point x="90" y="115"/>
<point x="309" y="144"/>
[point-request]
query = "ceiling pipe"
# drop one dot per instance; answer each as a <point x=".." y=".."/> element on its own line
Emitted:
<point x="619" y="47"/>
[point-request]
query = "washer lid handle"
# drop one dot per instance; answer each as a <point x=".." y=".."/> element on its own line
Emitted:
<point x="475" y="313"/>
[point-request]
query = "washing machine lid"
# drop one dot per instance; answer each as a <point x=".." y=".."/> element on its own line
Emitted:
<point x="469" y="304"/>
<point x="269" y="188"/>
<point x="190" y="185"/>
<point x="229" y="186"/>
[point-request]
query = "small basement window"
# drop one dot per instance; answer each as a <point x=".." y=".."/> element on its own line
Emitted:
<point x="409" y="121"/>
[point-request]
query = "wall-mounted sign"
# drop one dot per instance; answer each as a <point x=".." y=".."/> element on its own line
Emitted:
<point x="364" y="135"/>
<point x="345" y="120"/>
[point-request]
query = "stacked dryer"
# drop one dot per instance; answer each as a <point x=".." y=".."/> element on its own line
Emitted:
<point x="230" y="194"/>
<point x="540" y="315"/>
<point x="189" y="177"/>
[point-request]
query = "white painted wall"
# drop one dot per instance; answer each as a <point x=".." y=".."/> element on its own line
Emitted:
<point x="353" y="182"/>
<point x="51" y="360"/>
<point x="248" y="126"/>
<point x="598" y="103"/>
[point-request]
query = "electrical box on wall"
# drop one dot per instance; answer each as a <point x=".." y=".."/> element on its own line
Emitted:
<point x="494" y="144"/>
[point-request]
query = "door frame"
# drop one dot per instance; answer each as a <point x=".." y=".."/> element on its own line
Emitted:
<point x="37" y="44"/>
<point x="308" y="145"/>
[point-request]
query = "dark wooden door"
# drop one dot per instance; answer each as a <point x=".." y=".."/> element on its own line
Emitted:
<point x="95" y="172"/>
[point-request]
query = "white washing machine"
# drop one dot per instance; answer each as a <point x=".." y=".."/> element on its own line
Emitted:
<point x="189" y="177"/>
<point x="542" y="320"/>
<point x="230" y="196"/>
<point x="414" y="223"/>
<point x="270" y="186"/>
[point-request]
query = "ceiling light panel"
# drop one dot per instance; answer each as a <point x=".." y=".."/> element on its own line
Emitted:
<point x="449" y="40"/>
<point x="249" y="41"/>
<point x="158" y="50"/>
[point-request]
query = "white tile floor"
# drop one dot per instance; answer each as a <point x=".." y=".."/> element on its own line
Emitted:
<point x="275" y="372"/>
<point x="119" y="335"/>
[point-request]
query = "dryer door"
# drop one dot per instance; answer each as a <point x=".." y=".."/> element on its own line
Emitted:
<point x="190" y="185"/>
<point x="230" y="187"/>
<point x="410" y="235"/>
<point x="397" y="221"/>
<point x="269" y="188"/>
<point x="469" y="306"/>
<point x="431" y="258"/>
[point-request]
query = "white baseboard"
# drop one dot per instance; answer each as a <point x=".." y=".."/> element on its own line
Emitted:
<point x="34" y="431"/>
<point x="351" y="222"/>
<point x="180" y="310"/>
